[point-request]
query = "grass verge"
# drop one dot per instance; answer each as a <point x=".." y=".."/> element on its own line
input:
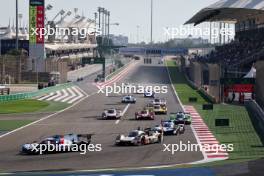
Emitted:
<point x="241" y="133"/>
<point x="54" y="106"/>
<point x="29" y="106"/>
<point x="26" y="106"/>
<point x="22" y="106"/>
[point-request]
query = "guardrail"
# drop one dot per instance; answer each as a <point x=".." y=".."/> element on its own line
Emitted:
<point x="4" y="91"/>
<point x="21" y="96"/>
<point x="118" y="70"/>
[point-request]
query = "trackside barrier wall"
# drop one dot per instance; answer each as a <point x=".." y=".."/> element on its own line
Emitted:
<point x="108" y="77"/>
<point x="200" y="90"/>
<point x="193" y="85"/>
<point x="21" y="96"/>
<point x="257" y="115"/>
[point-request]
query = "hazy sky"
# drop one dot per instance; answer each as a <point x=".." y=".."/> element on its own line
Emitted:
<point x="129" y="13"/>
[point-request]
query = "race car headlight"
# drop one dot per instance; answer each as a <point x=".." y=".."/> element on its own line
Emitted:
<point x="26" y="146"/>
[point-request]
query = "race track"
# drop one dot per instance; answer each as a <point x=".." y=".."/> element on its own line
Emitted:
<point x="83" y="118"/>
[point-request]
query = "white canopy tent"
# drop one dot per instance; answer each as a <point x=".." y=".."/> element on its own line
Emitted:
<point x="251" y="73"/>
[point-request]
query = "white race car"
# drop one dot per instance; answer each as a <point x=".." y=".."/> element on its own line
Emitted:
<point x="111" y="114"/>
<point x="129" y="99"/>
<point x="61" y="143"/>
<point x="158" y="101"/>
<point x="138" y="137"/>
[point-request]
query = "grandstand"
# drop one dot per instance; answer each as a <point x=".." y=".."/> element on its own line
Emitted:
<point x="248" y="46"/>
<point x="63" y="52"/>
<point x="236" y="59"/>
<point x="130" y="51"/>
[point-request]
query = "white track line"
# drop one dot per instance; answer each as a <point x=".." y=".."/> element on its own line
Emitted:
<point x="117" y="122"/>
<point x="46" y="96"/>
<point x="58" y="94"/>
<point x="69" y="97"/>
<point x="194" y="132"/>
<point x="122" y="113"/>
<point x="80" y="95"/>
<point x="44" y="118"/>
<point x="125" y="110"/>
<point x="65" y="94"/>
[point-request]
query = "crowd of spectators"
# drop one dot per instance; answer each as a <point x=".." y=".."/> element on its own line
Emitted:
<point x="246" y="44"/>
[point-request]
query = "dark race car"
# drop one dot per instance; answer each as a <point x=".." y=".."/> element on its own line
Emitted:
<point x="169" y="128"/>
<point x="146" y="114"/>
<point x="149" y="94"/>
<point x="181" y="118"/>
<point x="129" y="99"/>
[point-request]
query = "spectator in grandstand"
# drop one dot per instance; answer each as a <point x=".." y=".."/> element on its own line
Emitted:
<point x="233" y="97"/>
<point x="249" y="44"/>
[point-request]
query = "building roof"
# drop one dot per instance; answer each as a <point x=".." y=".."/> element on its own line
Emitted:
<point x="10" y="33"/>
<point x="228" y="11"/>
<point x="68" y="46"/>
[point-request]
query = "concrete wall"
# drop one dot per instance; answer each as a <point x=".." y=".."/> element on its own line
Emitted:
<point x="214" y="81"/>
<point x="196" y="73"/>
<point x="11" y="68"/>
<point x="260" y="83"/>
<point x="57" y="66"/>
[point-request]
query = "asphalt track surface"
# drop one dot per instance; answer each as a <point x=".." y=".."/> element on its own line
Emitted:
<point x="84" y="118"/>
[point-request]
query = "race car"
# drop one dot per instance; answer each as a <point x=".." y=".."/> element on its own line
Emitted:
<point x="146" y="114"/>
<point x="160" y="109"/>
<point x="149" y="93"/>
<point x="61" y="143"/>
<point x="181" y="117"/>
<point x="129" y="99"/>
<point x="139" y="137"/>
<point x="158" y="101"/>
<point x="160" y="62"/>
<point x="169" y="128"/>
<point x="79" y="79"/>
<point x="111" y="114"/>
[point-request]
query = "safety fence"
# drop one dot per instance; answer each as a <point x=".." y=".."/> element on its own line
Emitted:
<point x="257" y="116"/>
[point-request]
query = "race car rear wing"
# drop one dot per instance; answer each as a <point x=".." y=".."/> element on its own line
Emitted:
<point x="85" y="137"/>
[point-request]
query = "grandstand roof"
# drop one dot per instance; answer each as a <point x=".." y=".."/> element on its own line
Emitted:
<point x="66" y="46"/>
<point x="228" y="11"/>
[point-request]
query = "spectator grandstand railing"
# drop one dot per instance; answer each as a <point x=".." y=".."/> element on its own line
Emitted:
<point x="256" y="56"/>
<point x="247" y="47"/>
<point x="21" y="96"/>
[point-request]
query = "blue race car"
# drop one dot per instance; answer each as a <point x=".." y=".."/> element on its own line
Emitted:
<point x="168" y="127"/>
<point x="149" y="93"/>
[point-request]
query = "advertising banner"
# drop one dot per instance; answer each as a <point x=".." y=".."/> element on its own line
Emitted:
<point x="36" y="40"/>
